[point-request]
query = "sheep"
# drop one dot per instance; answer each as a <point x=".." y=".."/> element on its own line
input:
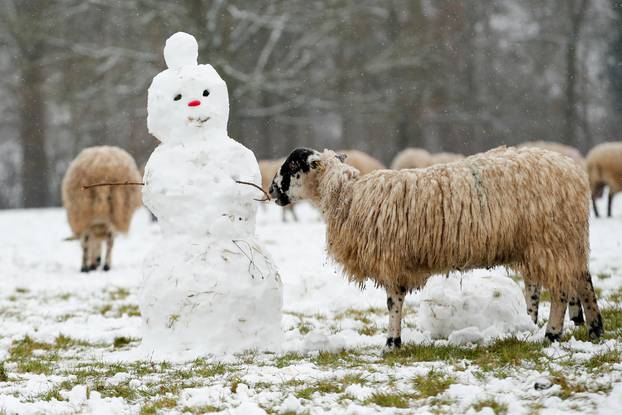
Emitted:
<point x="268" y="169"/>
<point x="98" y="213"/>
<point x="444" y="157"/>
<point x="411" y="158"/>
<point x="564" y="149"/>
<point x="416" y="158"/>
<point x="604" y="168"/>
<point x="527" y="209"/>
<point x="361" y="161"/>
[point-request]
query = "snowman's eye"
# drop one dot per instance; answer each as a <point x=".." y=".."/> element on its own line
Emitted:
<point x="205" y="93"/>
<point x="177" y="97"/>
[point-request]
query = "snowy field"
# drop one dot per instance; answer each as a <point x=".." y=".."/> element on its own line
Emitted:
<point x="64" y="337"/>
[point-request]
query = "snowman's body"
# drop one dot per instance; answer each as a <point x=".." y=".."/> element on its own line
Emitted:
<point x="209" y="286"/>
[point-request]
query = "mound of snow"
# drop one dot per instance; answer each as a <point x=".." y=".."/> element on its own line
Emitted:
<point x="473" y="309"/>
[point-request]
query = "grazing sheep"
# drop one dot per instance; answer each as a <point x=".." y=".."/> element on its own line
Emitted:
<point x="98" y="213"/>
<point x="527" y="209"/>
<point x="604" y="168"/>
<point x="564" y="149"/>
<point x="411" y="158"/>
<point x="444" y="158"/>
<point x="417" y="158"/>
<point x="361" y="161"/>
<point x="268" y="169"/>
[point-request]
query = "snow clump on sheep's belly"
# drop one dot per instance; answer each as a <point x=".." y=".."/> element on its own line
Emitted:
<point x="472" y="309"/>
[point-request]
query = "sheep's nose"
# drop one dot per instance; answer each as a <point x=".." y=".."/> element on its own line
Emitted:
<point x="194" y="103"/>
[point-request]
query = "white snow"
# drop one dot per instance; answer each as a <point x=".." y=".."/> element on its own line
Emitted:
<point x="472" y="308"/>
<point x="43" y="295"/>
<point x="209" y="285"/>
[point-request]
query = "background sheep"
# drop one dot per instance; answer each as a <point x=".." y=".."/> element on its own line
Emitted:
<point x="411" y="158"/>
<point x="268" y="169"/>
<point x="416" y="158"/>
<point x="400" y="227"/>
<point x="361" y="161"/>
<point x="604" y="168"/>
<point x="97" y="213"/>
<point x="564" y="149"/>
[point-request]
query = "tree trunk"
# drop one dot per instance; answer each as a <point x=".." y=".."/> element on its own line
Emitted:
<point x="32" y="135"/>
<point x="577" y="15"/>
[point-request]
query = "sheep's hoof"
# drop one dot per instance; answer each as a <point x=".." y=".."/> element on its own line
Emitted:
<point x="106" y="267"/>
<point x="596" y="329"/>
<point x="84" y="269"/>
<point x="93" y="267"/>
<point x="392" y="344"/>
<point x="552" y="337"/>
<point x="578" y="320"/>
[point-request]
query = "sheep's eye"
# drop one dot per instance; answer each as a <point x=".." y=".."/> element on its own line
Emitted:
<point x="177" y="97"/>
<point x="205" y="93"/>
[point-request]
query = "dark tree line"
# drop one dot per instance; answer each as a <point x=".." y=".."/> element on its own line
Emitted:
<point x="377" y="76"/>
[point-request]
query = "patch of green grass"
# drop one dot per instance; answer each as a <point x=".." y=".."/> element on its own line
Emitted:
<point x="323" y="387"/>
<point x="66" y="342"/>
<point x="200" y="409"/>
<point x="569" y="388"/>
<point x="353" y="378"/>
<point x="152" y="408"/>
<point x="368" y="330"/>
<point x="103" y="310"/>
<point x="506" y="352"/>
<point x="121" y="390"/>
<point x="605" y="359"/>
<point x="603" y="276"/>
<point x="304" y="327"/>
<point x="345" y="358"/>
<point x="122" y="341"/>
<point x="288" y="359"/>
<point x="3" y="375"/>
<point x="119" y="294"/>
<point x="202" y="369"/>
<point x="616" y="296"/>
<point x="432" y="384"/>
<point x="497" y="407"/>
<point x="130" y="310"/>
<point x="388" y="400"/>
<point x="22" y="290"/>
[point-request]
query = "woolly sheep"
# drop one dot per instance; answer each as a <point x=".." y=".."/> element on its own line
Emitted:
<point x="564" y="149"/>
<point x="268" y="169"/>
<point x="527" y="209"/>
<point x="98" y="213"/>
<point x="417" y="158"/>
<point x="411" y="158"/>
<point x="604" y="168"/>
<point x="361" y="161"/>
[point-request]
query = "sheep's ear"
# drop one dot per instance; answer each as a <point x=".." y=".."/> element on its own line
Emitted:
<point x="315" y="164"/>
<point x="341" y="157"/>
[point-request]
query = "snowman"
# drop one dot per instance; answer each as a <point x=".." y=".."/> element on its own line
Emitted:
<point x="208" y="287"/>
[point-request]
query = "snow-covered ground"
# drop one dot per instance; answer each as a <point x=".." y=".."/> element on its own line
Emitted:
<point x="66" y="338"/>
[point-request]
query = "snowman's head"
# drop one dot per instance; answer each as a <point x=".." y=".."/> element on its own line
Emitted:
<point x="186" y="102"/>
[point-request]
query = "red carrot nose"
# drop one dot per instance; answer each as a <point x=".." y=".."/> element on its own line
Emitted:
<point x="194" y="103"/>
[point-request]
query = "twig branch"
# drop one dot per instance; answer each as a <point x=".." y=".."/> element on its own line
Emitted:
<point x="113" y="184"/>
<point x="266" y="199"/>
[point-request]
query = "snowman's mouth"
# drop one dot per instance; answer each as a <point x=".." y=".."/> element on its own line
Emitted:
<point x="198" y="121"/>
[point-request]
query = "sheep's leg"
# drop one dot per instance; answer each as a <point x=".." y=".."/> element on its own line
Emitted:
<point x="291" y="209"/>
<point x="590" y="305"/>
<point x="94" y="250"/>
<point x="609" y="201"/>
<point x="109" y="243"/>
<point x="395" y="302"/>
<point x="532" y="298"/>
<point x="594" y="205"/>
<point x="575" y="312"/>
<point x="84" y="242"/>
<point x="559" y="302"/>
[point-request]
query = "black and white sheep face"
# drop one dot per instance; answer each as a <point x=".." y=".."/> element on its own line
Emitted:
<point x="288" y="183"/>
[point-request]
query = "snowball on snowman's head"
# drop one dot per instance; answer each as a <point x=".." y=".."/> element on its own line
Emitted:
<point x="187" y="101"/>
